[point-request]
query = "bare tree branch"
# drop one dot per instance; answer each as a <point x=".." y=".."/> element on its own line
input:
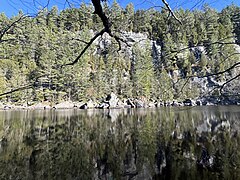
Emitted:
<point x="17" y="89"/>
<point x="30" y="85"/>
<point x="171" y="11"/>
<point x="107" y="28"/>
<point x="80" y="40"/>
<point x="119" y="40"/>
<point x="226" y="57"/>
<point x="228" y="81"/>
<point x="7" y="40"/>
<point x="219" y="73"/>
<point x="6" y="29"/>
<point x="211" y="43"/>
<point x="86" y="47"/>
<point x="184" y="85"/>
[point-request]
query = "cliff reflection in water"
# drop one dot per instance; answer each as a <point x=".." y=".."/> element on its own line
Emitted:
<point x="166" y="143"/>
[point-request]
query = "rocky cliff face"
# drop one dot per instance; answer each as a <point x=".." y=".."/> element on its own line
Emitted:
<point x="207" y="86"/>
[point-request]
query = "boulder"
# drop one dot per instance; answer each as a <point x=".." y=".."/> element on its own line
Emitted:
<point x="22" y="106"/>
<point x="121" y="104"/>
<point x="204" y="103"/>
<point x="128" y="106"/>
<point x="1" y="105"/>
<point x="84" y="106"/>
<point x="167" y="103"/>
<point x="6" y="107"/>
<point x="64" y="105"/>
<point x="130" y="103"/>
<point x="174" y="103"/>
<point x="104" y="105"/>
<point x="78" y="104"/>
<point x="199" y="103"/>
<point x="187" y="102"/>
<point x="88" y="105"/>
<point x="139" y="103"/>
<point x="160" y="104"/>
<point x="40" y="106"/>
<point x="151" y="104"/>
<point x="112" y="99"/>
<point x="180" y="104"/>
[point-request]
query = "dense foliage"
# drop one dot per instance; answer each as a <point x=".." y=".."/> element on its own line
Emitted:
<point x="33" y="51"/>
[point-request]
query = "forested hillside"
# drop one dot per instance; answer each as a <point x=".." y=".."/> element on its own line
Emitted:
<point x="170" y="63"/>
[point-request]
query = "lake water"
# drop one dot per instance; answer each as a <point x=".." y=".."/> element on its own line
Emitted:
<point x="165" y="143"/>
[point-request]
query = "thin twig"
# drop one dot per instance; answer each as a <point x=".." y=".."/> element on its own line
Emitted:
<point x="5" y="30"/>
<point x="218" y="73"/>
<point x="170" y="11"/>
<point x="107" y="28"/>
<point x="18" y="89"/>
<point x="86" y="47"/>
<point x="228" y="81"/>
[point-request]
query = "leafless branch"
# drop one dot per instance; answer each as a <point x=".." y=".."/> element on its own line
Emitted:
<point x="6" y="29"/>
<point x="184" y="85"/>
<point x="219" y="73"/>
<point x="86" y="47"/>
<point x="228" y="81"/>
<point x="154" y="7"/>
<point x="171" y="11"/>
<point x="107" y="28"/>
<point x="17" y="89"/>
<point x="226" y="57"/>
<point x="221" y="42"/>
<point x="7" y="40"/>
<point x="80" y="40"/>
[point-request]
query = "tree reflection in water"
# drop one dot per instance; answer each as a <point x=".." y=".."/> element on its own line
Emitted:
<point x="166" y="143"/>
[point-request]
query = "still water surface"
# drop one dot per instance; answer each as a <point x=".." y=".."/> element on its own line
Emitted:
<point x="165" y="143"/>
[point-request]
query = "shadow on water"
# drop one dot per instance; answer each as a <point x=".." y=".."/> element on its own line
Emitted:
<point x="167" y="143"/>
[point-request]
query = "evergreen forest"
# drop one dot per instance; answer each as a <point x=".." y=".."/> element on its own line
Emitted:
<point x="170" y="64"/>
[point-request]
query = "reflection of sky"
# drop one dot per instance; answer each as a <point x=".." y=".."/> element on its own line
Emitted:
<point x="11" y="7"/>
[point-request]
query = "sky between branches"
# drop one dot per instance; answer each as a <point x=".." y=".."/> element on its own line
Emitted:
<point x="12" y="7"/>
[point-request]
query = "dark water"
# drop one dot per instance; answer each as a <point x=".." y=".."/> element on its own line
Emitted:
<point x="167" y="143"/>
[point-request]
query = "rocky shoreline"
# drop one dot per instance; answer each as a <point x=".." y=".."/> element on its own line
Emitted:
<point x="113" y="102"/>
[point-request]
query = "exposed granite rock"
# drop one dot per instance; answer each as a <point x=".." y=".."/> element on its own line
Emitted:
<point x="139" y="103"/>
<point x="88" y="105"/>
<point x="130" y="103"/>
<point x="112" y="100"/>
<point x="151" y="104"/>
<point x="1" y="105"/>
<point x="104" y="105"/>
<point x="40" y="106"/>
<point x="64" y="105"/>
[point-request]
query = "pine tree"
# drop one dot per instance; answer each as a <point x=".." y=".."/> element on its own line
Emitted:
<point x="165" y="86"/>
<point x="129" y="15"/>
<point x="144" y="74"/>
<point x="211" y="20"/>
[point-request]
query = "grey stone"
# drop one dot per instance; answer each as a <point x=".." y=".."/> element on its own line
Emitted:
<point x="64" y="105"/>
<point x="112" y="100"/>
